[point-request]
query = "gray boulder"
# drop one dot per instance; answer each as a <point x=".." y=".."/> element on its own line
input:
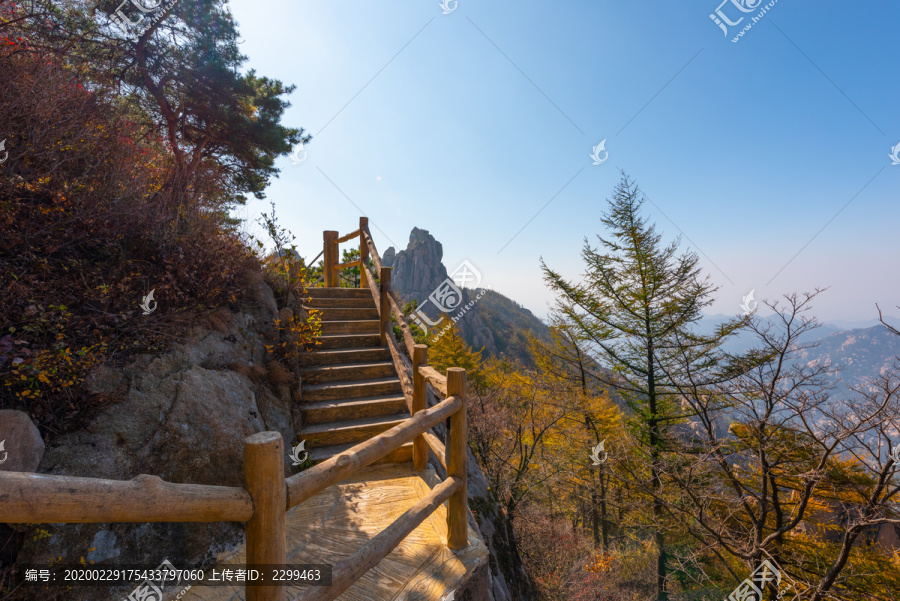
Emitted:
<point x="21" y="446"/>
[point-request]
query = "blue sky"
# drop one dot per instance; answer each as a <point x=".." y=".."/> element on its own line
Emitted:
<point x="475" y="123"/>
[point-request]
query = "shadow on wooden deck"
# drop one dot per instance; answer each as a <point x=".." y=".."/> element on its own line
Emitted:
<point x="335" y="523"/>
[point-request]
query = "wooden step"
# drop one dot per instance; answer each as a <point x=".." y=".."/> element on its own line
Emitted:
<point x="347" y="372"/>
<point x="340" y="303"/>
<point x="402" y="454"/>
<point x="349" y="409"/>
<point x="350" y="431"/>
<point x="348" y="341"/>
<point x="361" y="326"/>
<point x="348" y="314"/>
<point x="351" y="390"/>
<point x="342" y="356"/>
<point x="339" y="293"/>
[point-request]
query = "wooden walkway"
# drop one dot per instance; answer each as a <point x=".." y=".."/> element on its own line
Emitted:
<point x="335" y="523"/>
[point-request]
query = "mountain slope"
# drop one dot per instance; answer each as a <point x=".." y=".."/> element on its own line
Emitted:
<point x="862" y="355"/>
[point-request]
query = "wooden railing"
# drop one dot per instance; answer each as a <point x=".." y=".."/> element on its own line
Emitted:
<point x="267" y="495"/>
<point x="331" y="255"/>
<point x="412" y="372"/>
<point x="415" y="374"/>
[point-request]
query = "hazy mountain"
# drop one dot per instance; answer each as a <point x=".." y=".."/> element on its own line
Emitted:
<point x="862" y="353"/>
<point x="508" y="322"/>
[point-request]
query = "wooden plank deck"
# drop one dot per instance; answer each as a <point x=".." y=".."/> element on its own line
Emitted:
<point x="338" y="521"/>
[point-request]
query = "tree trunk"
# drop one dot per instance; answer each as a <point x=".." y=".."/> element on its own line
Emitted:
<point x="655" y="480"/>
<point x="604" y="523"/>
<point x="595" y="516"/>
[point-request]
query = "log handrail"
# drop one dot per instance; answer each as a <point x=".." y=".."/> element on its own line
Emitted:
<point x="437" y="447"/>
<point x="404" y="368"/>
<point x="72" y="500"/>
<point x="395" y="305"/>
<point x="404" y="327"/>
<point x="349" y="236"/>
<point x="304" y="485"/>
<point x="401" y="363"/>
<point x="265" y="531"/>
<point x="373" y="253"/>
<point x="433" y="377"/>
<point x="354" y="263"/>
<point x="349" y="570"/>
<point x="452" y="455"/>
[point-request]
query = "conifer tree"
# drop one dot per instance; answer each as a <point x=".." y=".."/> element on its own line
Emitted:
<point x="634" y="306"/>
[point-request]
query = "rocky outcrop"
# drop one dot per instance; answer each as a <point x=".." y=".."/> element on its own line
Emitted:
<point x="21" y="450"/>
<point x="183" y="416"/>
<point x="418" y="271"/>
<point x="495" y="323"/>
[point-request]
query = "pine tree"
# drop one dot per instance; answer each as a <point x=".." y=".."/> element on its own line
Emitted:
<point x="634" y="306"/>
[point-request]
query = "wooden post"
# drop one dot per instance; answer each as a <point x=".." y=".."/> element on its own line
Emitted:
<point x="264" y="480"/>
<point x="363" y="253"/>
<point x="420" y="448"/>
<point x="386" y="329"/>
<point x="335" y="259"/>
<point x="328" y="258"/>
<point x="457" y="449"/>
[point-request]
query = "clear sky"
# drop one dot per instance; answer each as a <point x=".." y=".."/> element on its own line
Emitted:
<point x="769" y="155"/>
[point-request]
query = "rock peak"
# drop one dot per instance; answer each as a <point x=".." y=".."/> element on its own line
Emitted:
<point x="418" y="271"/>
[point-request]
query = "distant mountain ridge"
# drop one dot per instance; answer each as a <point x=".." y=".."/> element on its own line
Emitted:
<point x="495" y="322"/>
<point x="861" y="353"/>
<point x="862" y="349"/>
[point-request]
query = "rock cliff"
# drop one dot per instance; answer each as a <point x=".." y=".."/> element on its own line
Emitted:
<point x="418" y="271"/>
<point x="182" y="416"/>
<point x="494" y="323"/>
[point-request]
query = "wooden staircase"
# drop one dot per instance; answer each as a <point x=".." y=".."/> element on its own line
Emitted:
<point x="350" y="387"/>
<point x="390" y="532"/>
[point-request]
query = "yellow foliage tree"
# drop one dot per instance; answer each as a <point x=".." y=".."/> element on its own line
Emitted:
<point x="450" y="350"/>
